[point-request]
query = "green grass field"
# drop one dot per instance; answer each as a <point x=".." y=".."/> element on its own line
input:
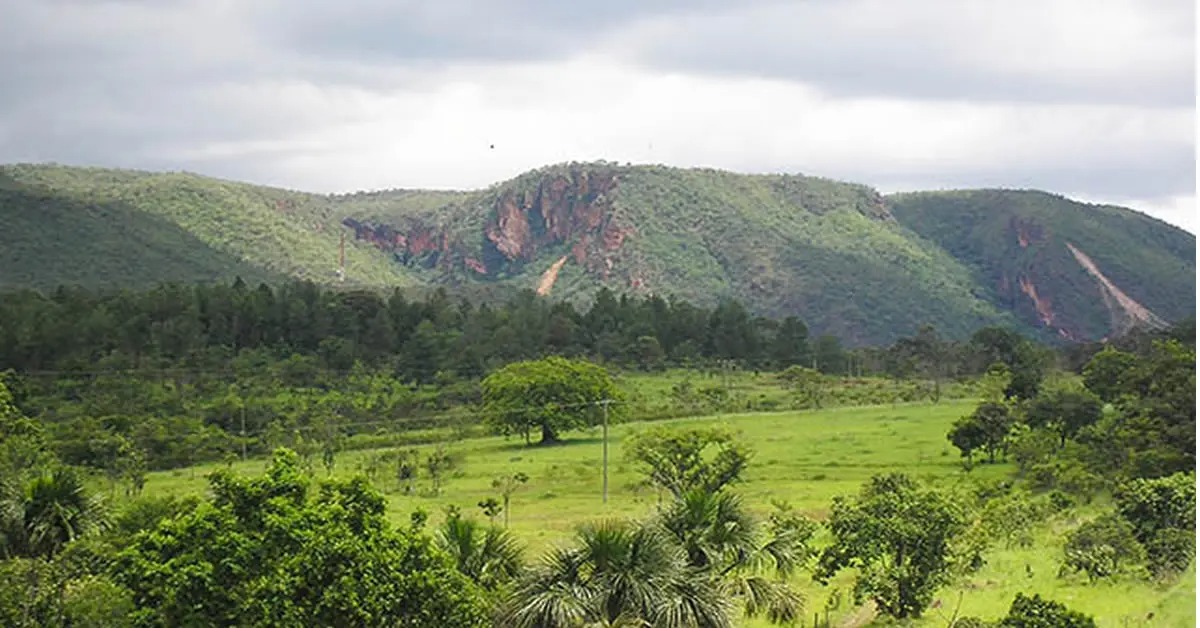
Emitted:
<point x="805" y="458"/>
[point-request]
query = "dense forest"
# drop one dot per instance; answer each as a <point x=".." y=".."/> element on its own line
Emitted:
<point x="106" y="386"/>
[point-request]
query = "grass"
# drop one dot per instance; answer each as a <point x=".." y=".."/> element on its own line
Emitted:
<point x="805" y="458"/>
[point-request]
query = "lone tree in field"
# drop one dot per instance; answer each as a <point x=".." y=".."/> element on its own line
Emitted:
<point x="552" y="394"/>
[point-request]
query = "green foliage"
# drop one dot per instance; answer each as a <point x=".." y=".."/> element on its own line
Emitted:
<point x="617" y="573"/>
<point x="1162" y="512"/>
<point x="1036" y="612"/>
<point x="900" y="537"/>
<point x="1065" y="411"/>
<point x="43" y="593"/>
<point x="1012" y="237"/>
<point x="684" y="460"/>
<point x="807" y="385"/>
<point x="1106" y="372"/>
<point x="1100" y="547"/>
<point x="986" y="428"/>
<point x="1013" y="518"/>
<point x="38" y="518"/>
<point x="1153" y="431"/>
<point x="750" y="561"/>
<point x="553" y="395"/>
<point x="266" y="552"/>
<point x="488" y="555"/>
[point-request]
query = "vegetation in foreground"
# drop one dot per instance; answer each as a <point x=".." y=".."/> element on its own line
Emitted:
<point x="693" y="547"/>
<point x="872" y="515"/>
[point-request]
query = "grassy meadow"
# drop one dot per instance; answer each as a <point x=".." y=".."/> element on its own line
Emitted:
<point x="802" y="457"/>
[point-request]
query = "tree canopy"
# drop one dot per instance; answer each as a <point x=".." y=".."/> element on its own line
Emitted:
<point x="551" y="395"/>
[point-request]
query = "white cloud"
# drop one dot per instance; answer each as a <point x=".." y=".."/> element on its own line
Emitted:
<point x="1075" y="97"/>
<point x="592" y="107"/>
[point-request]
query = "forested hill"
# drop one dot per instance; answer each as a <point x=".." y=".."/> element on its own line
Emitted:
<point x="843" y="258"/>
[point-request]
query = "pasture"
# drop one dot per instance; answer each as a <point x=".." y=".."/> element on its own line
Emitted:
<point x="802" y="457"/>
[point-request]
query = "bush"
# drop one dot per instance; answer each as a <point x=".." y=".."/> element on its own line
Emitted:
<point x="1034" y="612"/>
<point x="1101" y="547"/>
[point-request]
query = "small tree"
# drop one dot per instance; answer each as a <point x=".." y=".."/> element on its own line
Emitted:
<point x="553" y="394"/>
<point x="1034" y="612"/>
<point x="900" y="537"/>
<point x="491" y="509"/>
<point x="1106" y="373"/>
<point x="437" y="463"/>
<point x="986" y="428"/>
<point x="507" y="485"/>
<point x="407" y="467"/>
<point x="1064" y="411"/>
<point x="1162" y="512"/>
<point x="680" y="460"/>
<point x="994" y="382"/>
<point x="967" y="435"/>
<point x="1100" y="547"/>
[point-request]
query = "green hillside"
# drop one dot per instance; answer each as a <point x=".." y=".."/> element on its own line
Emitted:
<point x="138" y="228"/>
<point x="847" y="260"/>
<point x="1019" y="244"/>
<point x="826" y="251"/>
<point x="48" y="240"/>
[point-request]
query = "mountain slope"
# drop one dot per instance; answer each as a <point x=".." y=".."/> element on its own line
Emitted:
<point x="845" y="259"/>
<point x="232" y="227"/>
<point x="1076" y="270"/>
<point x="826" y="251"/>
<point x="47" y="240"/>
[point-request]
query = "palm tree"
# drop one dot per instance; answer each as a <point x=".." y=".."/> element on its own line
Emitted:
<point x="618" y="574"/>
<point x="489" y="555"/>
<point x="52" y="510"/>
<point x="751" y="562"/>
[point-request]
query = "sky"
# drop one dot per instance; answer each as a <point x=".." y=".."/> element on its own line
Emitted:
<point x="1093" y="99"/>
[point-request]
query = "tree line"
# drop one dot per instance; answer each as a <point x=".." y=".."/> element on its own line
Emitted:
<point x="204" y="326"/>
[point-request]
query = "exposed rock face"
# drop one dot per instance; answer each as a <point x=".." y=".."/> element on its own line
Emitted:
<point x="572" y="208"/>
<point x="407" y="243"/>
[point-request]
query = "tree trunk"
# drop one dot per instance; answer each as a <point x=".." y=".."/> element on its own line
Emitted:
<point x="548" y="435"/>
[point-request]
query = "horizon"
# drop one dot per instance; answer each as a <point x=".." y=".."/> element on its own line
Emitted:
<point x="459" y="95"/>
<point x="1189" y="228"/>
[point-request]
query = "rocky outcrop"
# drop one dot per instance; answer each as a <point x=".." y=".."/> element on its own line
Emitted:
<point x="416" y="240"/>
<point x="574" y="207"/>
<point x="570" y="207"/>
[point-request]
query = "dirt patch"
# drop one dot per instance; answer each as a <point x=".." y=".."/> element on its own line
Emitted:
<point x="548" y="277"/>
<point x="1040" y="303"/>
<point x="1125" y="310"/>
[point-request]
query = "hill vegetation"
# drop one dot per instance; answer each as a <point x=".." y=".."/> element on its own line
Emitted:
<point x="160" y="227"/>
<point x="1032" y="252"/>
<point x="845" y="259"/>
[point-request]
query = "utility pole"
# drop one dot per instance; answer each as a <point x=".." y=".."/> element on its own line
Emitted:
<point x="604" y="494"/>
<point x="243" y="430"/>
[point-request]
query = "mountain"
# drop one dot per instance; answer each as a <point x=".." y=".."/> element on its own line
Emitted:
<point x="95" y="226"/>
<point x="1080" y="271"/>
<point x="847" y="260"/>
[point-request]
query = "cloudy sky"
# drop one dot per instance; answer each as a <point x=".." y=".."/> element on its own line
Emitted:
<point x="1094" y="99"/>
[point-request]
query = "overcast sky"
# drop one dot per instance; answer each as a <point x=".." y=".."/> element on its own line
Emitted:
<point x="1094" y="99"/>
